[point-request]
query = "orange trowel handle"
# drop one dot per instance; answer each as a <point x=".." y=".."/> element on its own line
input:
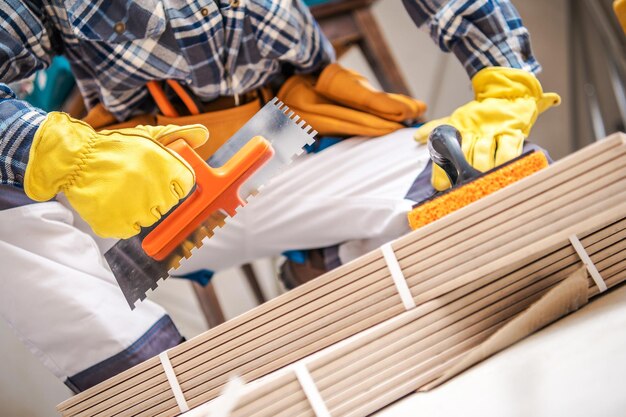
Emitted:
<point x="216" y="189"/>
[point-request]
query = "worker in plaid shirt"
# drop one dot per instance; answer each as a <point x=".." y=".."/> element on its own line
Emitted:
<point x="56" y="292"/>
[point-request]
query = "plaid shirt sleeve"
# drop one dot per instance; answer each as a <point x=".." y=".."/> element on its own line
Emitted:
<point x="481" y="33"/>
<point x="22" y="42"/>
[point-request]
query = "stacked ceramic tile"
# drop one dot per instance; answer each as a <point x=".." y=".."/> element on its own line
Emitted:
<point x="468" y="274"/>
<point x="370" y="370"/>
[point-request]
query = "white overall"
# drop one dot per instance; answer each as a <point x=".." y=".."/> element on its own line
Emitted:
<point x="58" y="295"/>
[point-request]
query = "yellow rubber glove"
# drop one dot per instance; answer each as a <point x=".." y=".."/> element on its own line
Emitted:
<point x="495" y="124"/>
<point x="117" y="180"/>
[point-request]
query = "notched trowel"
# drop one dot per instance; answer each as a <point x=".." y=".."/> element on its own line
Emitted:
<point x="258" y="151"/>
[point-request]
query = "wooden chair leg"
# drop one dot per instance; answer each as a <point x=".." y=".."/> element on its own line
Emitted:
<point x="253" y="281"/>
<point x="376" y="52"/>
<point x="209" y="303"/>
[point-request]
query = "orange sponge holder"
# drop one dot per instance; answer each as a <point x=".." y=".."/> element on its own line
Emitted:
<point x="490" y="182"/>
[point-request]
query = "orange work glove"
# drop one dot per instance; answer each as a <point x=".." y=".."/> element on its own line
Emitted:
<point x="342" y="102"/>
<point x="328" y="117"/>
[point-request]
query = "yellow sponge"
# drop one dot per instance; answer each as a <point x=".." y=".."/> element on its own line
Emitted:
<point x="456" y="198"/>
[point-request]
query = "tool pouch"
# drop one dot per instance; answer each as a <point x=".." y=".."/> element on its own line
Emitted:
<point x="222" y="124"/>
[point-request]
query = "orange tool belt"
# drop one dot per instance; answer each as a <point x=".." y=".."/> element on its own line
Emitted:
<point x="339" y="102"/>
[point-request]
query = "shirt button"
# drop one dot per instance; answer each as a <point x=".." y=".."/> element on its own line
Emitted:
<point x="119" y="28"/>
<point x="204" y="11"/>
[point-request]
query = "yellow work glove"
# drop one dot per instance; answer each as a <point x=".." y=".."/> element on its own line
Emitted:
<point x="495" y="124"/>
<point x="117" y="180"/>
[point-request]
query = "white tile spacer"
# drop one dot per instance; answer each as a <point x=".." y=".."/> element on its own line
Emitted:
<point x="174" y="385"/>
<point x="593" y="271"/>
<point x="310" y="390"/>
<point x="397" y="276"/>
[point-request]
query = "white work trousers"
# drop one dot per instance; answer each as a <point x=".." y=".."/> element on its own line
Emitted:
<point x="58" y="295"/>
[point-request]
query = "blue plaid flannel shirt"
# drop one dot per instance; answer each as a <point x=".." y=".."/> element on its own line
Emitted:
<point x="216" y="47"/>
